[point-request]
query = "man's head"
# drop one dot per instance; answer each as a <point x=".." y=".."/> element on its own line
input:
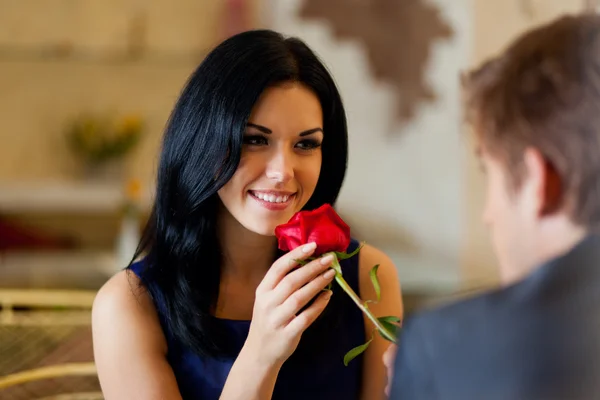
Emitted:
<point x="535" y="110"/>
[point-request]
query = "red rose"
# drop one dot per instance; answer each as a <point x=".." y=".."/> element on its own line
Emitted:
<point x="322" y="226"/>
<point x="331" y="234"/>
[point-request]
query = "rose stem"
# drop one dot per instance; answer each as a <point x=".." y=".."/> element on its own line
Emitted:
<point x="344" y="285"/>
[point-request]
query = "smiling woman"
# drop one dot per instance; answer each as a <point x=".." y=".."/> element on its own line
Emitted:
<point x="281" y="159"/>
<point x="216" y="311"/>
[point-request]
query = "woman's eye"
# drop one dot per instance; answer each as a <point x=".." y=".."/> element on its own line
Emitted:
<point x="255" y="140"/>
<point x="309" y="144"/>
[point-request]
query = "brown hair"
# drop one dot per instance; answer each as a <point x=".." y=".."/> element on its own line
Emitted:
<point x="544" y="92"/>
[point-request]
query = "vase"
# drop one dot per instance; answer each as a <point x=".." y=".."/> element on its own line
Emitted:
<point x="127" y="240"/>
<point x="104" y="172"/>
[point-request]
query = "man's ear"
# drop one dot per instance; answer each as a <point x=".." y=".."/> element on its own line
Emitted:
<point x="544" y="182"/>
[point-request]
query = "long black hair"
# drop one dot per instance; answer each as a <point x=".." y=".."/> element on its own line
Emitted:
<point x="200" y="153"/>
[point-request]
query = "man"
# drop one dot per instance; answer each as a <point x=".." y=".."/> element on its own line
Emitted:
<point x="535" y="111"/>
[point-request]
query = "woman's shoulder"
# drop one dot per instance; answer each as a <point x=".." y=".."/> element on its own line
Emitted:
<point x="130" y="349"/>
<point x="369" y="257"/>
<point x="123" y="304"/>
<point x="121" y="290"/>
<point x="369" y="254"/>
<point x="387" y="275"/>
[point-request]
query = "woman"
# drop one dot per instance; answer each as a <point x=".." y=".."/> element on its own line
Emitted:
<point x="213" y="310"/>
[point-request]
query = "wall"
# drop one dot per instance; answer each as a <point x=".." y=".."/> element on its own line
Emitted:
<point x="418" y="202"/>
<point x="39" y="94"/>
<point x="405" y="184"/>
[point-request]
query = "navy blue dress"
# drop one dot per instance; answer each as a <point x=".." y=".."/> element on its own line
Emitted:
<point x="324" y="378"/>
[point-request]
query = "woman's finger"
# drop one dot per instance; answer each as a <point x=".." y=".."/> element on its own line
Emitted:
<point x="308" y="316"/>
<point x="284" y="265"/>
<point x="298" y="278"/>
<point x="302" y="296"/>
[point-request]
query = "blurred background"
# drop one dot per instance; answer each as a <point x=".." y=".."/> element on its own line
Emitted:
<point x="86" y="87"/>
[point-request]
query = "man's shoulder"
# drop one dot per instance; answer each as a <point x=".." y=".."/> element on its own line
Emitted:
<point x="456" y="318"/>
<point x="434" y="343"/>
<point x="565" y="281"/>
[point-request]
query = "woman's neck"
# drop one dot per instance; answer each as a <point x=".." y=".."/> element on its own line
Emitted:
<point x="246" y="254"/>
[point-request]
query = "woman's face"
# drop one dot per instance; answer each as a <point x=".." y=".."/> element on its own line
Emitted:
<point x="280" y="161"/>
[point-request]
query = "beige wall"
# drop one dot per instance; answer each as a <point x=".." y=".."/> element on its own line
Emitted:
<point x="38" y="96"/>
<point x="496" y="23"/>
<point x="403" y="192"/>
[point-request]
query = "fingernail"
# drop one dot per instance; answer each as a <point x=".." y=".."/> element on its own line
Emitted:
<point x="329" y="274"/>
<point x="327" y="260"/>
<point x="307" y="248"/>
<point x="328" y="294"/>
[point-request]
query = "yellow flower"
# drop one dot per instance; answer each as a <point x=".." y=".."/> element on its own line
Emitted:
<point x="89" y="134"/>
<point x="133" y="190"/>
<point x="130" y="125"/>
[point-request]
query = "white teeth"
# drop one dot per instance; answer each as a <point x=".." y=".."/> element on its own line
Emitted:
<point x="271" y="198"/>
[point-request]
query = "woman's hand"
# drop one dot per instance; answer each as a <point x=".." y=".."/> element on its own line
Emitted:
<point x="275" y="330"/>
<point x="277" y="325"/>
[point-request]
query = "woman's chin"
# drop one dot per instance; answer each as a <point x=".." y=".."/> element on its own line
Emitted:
<point x="261" y="228"/>
<point x="265" y="226"/>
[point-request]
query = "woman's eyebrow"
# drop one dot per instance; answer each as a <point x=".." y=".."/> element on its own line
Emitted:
<point x="266" y="130"/>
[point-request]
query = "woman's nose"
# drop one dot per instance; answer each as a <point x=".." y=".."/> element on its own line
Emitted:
<point x="280" y="167"/>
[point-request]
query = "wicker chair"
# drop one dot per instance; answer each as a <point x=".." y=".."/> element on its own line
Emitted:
<point x="46" y="345"/>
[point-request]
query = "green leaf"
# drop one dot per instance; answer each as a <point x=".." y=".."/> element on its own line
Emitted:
<point x="356" y="352"/>
<point x="389" y="323"/>
<point x="391" y="318"/>
<point x="375" y="281"/>
<point x="388" y="339"/>
<point x="344" y="256"/>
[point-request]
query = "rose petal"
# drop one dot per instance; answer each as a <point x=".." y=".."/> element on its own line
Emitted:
<point x="322" y="225"/>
